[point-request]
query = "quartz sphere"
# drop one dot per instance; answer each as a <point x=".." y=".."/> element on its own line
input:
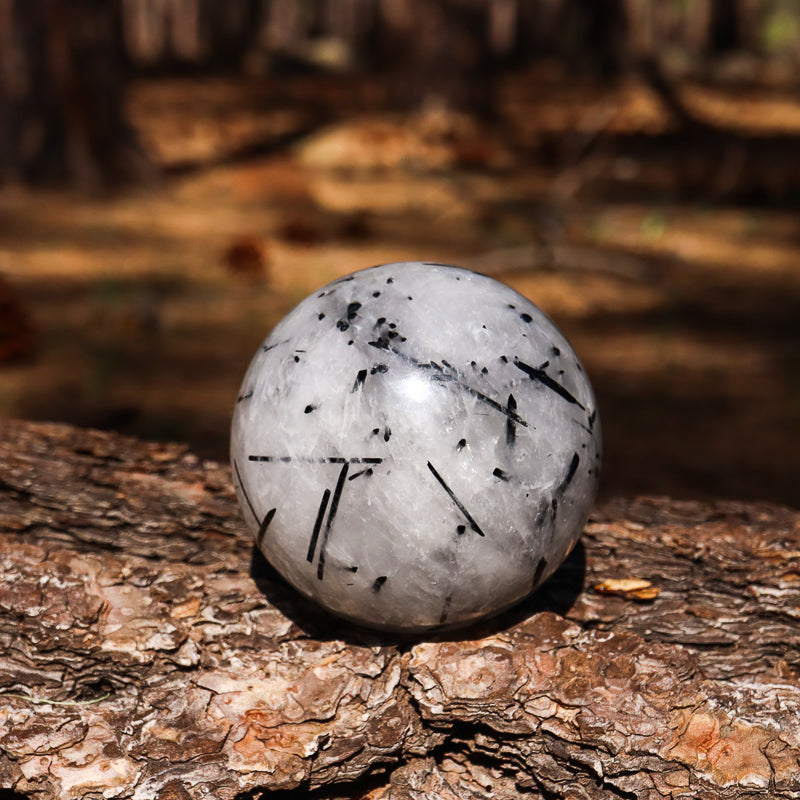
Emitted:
<point x="415" y="446"/>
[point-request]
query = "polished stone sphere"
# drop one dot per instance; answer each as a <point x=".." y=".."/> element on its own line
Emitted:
<point x="415" y="446"/>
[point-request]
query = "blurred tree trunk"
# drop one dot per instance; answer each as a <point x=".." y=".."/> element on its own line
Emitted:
<point x="436" y="52"/>
<point x="608" y="27"/>
<point x="724" y="27"/>
<point x="599" y="36"/>
<point x="750" y="17"/>
<point x="698" y="19"/>
<point x="166" y="36"/>
<point x="62" y="117"/>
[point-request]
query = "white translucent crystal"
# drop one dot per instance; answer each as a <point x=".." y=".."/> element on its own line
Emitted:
<point x="415" y="445"/>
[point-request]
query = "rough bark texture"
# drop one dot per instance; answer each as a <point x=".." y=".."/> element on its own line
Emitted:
<point x="126" y="579"/>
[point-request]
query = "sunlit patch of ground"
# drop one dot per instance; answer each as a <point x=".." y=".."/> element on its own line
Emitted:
<point x="685" y="316"/>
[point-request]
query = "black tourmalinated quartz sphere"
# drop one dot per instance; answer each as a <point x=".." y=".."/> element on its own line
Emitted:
<point x="415" y="446"/>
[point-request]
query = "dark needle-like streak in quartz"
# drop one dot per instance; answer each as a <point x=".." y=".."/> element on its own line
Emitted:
<point x="337" y="494"/>
<point x="262" y="528"/>
<point x="312" y="545"/>
<point x="244" y="491"/>
<point x="445" y="609"/>
<point x="321" y="460"/>
<point x="441" y="376"/>
<point x="263" y="524"/>
<point x="511" y="426"/>
<point x="571" y="470"/>
<point x="474" y="525"/>
<point x="542" y="377"/>
<point x="359" y="381"/>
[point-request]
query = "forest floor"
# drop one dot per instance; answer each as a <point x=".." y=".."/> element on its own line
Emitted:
<point x="681" y="297"/>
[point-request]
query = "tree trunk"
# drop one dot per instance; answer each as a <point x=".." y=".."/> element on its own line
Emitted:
<point x="62" y="115"/>
<point x="724" y="27"/>
<point x="146" y="651"/>
<point x="436" y="52"/>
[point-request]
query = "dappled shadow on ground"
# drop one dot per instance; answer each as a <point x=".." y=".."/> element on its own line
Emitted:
<point x="684" y="313"/>
<point x="717" y="412"/>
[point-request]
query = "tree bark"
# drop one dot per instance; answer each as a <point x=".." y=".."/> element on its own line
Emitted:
<point x="147" y="651"/>
<point x="62" y="117"/>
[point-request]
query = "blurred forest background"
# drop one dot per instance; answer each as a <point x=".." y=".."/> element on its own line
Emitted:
<point x="175" y="175"/>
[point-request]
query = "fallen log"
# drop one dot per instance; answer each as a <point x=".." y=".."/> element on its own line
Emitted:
<point x="147" y="651"/>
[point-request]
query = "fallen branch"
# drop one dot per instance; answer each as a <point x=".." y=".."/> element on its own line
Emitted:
<point x="147" y="652"/>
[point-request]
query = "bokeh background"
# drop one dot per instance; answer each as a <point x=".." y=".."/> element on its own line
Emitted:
<point x="175" y="175"/>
